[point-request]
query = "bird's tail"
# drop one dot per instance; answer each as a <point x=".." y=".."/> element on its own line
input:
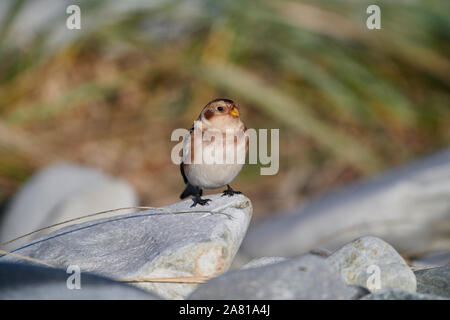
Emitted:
<point x="189" y="191"/>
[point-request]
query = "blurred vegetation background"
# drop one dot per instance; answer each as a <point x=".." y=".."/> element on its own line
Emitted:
<point x="349" y="101"/>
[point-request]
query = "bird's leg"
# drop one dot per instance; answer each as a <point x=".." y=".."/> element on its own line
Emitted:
<point x="230" y="192"/>
<point x="198" y="199"/>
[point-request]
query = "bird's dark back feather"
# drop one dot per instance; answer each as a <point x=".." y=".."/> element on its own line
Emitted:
<point x="182" y="172"/>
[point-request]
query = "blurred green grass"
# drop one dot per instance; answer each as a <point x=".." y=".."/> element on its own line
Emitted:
<point x="349" y="101"/>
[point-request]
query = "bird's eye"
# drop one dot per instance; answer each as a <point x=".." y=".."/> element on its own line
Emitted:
<point x="220" y="108"/>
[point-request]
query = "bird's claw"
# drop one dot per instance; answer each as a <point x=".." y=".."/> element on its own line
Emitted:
<point x="200" y="201"/>
<point x="230" y="192"/>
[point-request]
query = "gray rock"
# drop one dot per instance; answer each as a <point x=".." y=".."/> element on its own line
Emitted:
<point x="408" y="207"/>
<point x="175" y="241"/>
<point x="434" y="281"/>
<point x="436" y="259"/>
<point x="61" y="192"/>
<point x="239" y="261"/>
<point x="24" y="282"/>
<point x="305" y="277"/>
<point x="360" y="261"/>
<point x="399" y="294"/>
<point x="259" y="262"/>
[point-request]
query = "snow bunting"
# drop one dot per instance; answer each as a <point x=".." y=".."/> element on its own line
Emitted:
<point x="214" y="151"/>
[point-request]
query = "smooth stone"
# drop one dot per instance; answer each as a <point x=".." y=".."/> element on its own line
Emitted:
<point x="239" y="261"/>
<point x="26" y="282"/>
<point x="436" y="259"/>
<point x="434" y="281"/>
<point x="304" y="277"/>
<point x="263" y="261"/>
<point x="62" y="192"/>
<point x="355" y="261"/>
<point x="175" y="241"/>
<point x="409" y="207"/>
<point x="399" y="294"/>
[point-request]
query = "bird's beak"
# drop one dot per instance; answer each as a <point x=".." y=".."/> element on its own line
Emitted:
<point x="234" y="112"/>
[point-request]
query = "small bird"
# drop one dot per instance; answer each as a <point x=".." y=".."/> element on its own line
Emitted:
<point x="219" y="116"/>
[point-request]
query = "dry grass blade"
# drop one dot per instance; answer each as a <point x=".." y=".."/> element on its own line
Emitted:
<point x="26" y="258"/>
<point x="72" y="220"/>
<point x="107" y="211"/>
<point x="167" y="280"/>
<point x="321" y="20"/>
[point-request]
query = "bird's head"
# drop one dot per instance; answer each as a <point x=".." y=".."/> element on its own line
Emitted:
<point x="220" y="112"/>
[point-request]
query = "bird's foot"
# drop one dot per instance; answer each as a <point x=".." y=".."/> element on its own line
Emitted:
<point x="200" y="201"/>
<point x="230" y="192"/>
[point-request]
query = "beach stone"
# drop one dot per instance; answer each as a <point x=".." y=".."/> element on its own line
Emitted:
<point x="25" y="282"/>
<point x="409" y="207"/>
<point x="174" y="241"/>
<point x="263" y="261"/>
<point x="434" y="281"/>
<point x="359" y="262"/>
<point x="441" y="258"/>
<point x="239" y="261"/>
<point x="61" y="192"/>
<point x="304" y="277"/>
<point x="399" y="294"/>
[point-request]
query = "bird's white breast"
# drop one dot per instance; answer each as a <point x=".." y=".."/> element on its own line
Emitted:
<point x="211" y="174"/>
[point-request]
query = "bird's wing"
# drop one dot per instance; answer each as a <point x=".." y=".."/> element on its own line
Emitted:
<point x="182" y="173"/>
<point x="182" y="163"/>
